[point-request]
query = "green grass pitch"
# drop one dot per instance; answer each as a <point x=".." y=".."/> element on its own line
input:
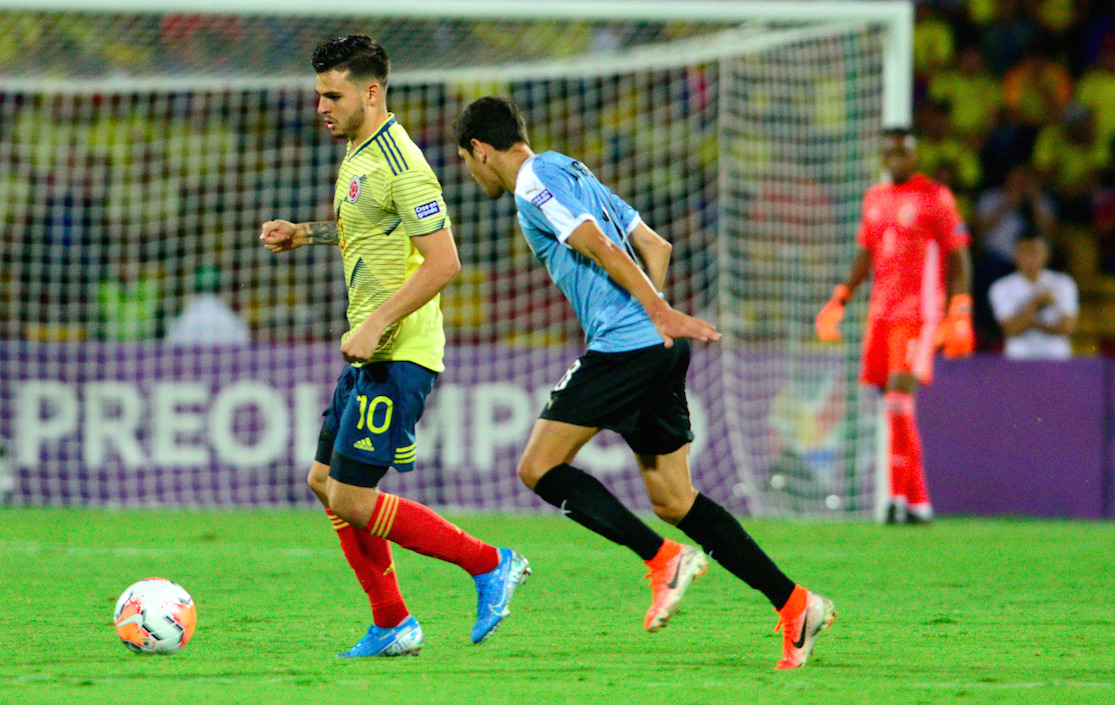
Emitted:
<point x="964" y="611"/>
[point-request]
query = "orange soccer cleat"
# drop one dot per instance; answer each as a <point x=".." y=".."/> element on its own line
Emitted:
<point x="801" y="620"/>
<point x="670" y="573"/>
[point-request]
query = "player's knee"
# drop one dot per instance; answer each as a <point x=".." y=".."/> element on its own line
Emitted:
<point x="341" y="503"/>
<point x="530" y="472"/>
<point x="669" y="513"/>
<point x="317" y="481"/>
<point x="672" y="509"/>
<point x="902" y="382"/>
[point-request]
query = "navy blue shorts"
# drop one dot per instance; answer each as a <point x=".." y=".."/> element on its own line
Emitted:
<point x="369" y="426"/>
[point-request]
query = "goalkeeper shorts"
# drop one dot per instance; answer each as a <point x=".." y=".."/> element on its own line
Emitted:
<point x="897" y="347"/>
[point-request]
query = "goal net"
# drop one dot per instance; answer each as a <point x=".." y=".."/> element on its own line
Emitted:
<point x="153" y="353"/>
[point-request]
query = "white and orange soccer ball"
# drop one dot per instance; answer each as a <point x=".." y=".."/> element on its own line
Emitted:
<point x="155" y="616"/>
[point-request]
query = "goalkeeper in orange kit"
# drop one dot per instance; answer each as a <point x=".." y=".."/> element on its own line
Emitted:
<point x="914" y="243"/>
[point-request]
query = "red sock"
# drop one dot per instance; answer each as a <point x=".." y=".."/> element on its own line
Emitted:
<point x="370" y="558"/>
<point x="897" y="438"/>
<point x="907" y="470"/>
<point x="916" y="489"/>
<point x="422" y="530"/>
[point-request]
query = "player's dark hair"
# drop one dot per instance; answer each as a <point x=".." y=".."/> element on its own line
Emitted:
<point x="492" y="120"/>
<point x="899" y="132"/>
<point x="363" y="57"/>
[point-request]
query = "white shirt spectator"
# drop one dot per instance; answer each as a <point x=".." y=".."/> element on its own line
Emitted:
<point x="1003" y="224"/>
<point x="1011" y="294"/>
<point x="207" y="320"/>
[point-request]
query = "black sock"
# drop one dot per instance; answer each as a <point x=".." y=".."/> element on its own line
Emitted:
<point x="585" y="500"/>
<point x="726" y="542"/>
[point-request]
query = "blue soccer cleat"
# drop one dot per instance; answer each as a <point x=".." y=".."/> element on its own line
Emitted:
<point x="403" y="640"/>
<point x="494" y="590"/>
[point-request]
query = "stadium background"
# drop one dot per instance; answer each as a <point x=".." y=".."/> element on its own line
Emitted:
<point x="968" y="610"/>
<point x="120" y="204"/>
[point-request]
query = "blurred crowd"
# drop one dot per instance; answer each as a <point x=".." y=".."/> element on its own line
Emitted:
<point x="115" y="205"/>
<point x="1015" y="109"/>
<point x="68" y="45"/>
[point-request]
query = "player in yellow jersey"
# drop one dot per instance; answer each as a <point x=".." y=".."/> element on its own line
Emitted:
<point x="398" y="251"/>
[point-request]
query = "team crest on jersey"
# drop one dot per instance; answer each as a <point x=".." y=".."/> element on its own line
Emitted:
<point x="907" y="214"/>
<point x="354" y="189"/>
<point x="541" y="198"/>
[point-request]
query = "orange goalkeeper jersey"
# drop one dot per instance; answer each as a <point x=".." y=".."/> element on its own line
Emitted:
<point x="909" y="229"/>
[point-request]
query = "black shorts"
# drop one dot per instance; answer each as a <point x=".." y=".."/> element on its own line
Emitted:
<point x="639" y="394"/>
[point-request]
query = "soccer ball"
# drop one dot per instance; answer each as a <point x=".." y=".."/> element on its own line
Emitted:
<point x="155" y="616"/>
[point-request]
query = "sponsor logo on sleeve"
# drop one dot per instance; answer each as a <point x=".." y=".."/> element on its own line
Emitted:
<point x="541" y="198"/>
<point x="427" y="209"/>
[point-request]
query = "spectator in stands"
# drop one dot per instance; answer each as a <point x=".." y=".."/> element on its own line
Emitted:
<point x="934" y="40"/>
<point x="60" y="266"/>
<point x="129" y="299"/>
<point x="207" y="319"/>
<point x="1103" y="220"/>
<point x="22" y="40"/>
<point x="1057" y="17"/>
<point x="201" y="43"/>
<point x="1008" y="36"/>
<point x="1039" y="86"/>
<point x="940" y="147"/>
<point x="972" y="94"/>
<point x="1005" y="212"/>
<point x="1035" y="307"/>
<point x="1099" y="30"/>
<point x="1008" y="143"/>
<point x="1069" y="156"/>
<point x="1096" y="90"/>
<point x="980" y="12"/>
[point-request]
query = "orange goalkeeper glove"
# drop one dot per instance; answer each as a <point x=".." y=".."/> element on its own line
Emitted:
<point x="828" y="320"/>
<point x="955" y="333"/>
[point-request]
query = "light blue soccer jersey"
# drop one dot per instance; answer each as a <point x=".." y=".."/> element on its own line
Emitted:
<point x="554" y="194"/>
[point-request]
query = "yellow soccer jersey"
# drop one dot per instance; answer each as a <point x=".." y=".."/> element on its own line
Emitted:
<point x="386" y="194"/>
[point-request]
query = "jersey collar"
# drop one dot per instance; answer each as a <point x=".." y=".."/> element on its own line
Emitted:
<point x="916" y="181"/>
<point x="383" y="128"/>
<point x="524" y="168"/>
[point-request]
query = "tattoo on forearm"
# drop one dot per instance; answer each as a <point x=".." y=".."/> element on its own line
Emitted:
<point x="322" y="233"/>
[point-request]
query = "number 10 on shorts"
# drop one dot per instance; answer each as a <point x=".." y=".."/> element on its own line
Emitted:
<point x="368" y="412"/>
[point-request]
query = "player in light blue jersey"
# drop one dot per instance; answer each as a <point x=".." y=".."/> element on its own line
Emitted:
<point x="554" y="195"/>
<point x="631" y="379"/>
